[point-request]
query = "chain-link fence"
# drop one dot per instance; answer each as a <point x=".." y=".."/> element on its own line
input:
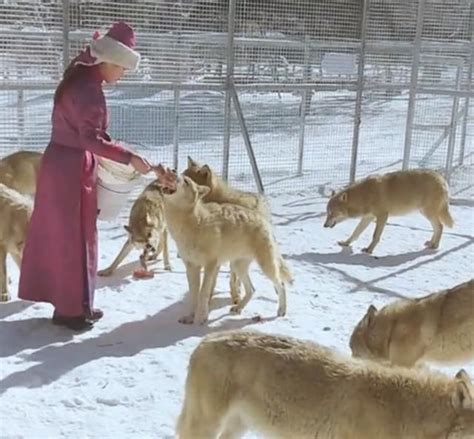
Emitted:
<point x="316" y="92"/>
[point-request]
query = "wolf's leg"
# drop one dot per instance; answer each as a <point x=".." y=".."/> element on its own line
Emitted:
<point x="437" y="229"/>
<point x="16" y="256"/>
<point x="234" y="429"/>
<point x="381" y="220"/>
<point x="3" y="275"/>
<point x="166" y="255"/>
<point x="234" y="284"/>
<point x="193" y="273"/>
<point x="363" y="224"/>
<point x="241" y="269"/>
<point x="208" y="283"/>
<point x="124" y="252"/>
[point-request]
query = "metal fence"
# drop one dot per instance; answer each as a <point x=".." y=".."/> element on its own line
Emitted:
<point x="295" y="94"/>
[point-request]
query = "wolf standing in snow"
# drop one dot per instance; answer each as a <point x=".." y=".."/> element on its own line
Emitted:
<point x="284" y="388"/>
<point x="394" y="193"/>
<point x="211" y="234"/>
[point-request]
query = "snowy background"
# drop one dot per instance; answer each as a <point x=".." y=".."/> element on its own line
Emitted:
<point x="125" y="377"/>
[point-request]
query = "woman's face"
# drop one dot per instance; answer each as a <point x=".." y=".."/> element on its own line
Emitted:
<point x="111" y="72"/>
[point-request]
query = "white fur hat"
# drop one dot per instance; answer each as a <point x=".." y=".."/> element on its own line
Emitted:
<point x="116" y="47"/>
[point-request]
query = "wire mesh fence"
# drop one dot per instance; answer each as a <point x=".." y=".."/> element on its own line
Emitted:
<point x="329" y="90"/>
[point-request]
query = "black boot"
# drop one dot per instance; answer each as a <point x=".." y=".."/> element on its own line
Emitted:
<point x="79" y="323"/>
<point x="94" y="315"/>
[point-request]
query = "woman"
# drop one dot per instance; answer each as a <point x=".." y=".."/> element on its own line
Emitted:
<point x="60" y="257"/>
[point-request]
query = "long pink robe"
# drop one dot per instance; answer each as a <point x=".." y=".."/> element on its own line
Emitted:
<point x="60" y="257"/>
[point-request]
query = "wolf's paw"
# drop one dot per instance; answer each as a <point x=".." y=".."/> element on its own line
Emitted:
<point x="104" y="273"/>
<point x="281" y="312"/>
<point x="4" y="297"/>
<point x="235" y="309"/>
<point x="345" y="243"/>
<point x="368" y="250"/>
<point x="167" y="267"/>
<point x="187" y="320"/>
<point x="431" y="245"/>
<point x="235" y="300"/>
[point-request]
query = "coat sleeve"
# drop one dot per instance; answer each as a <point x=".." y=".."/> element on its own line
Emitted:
<point x="90" y="111"/>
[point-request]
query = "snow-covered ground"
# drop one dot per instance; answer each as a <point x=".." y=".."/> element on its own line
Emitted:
<point x="125" y="378"/>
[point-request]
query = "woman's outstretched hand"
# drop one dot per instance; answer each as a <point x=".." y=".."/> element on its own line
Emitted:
<point x="140" y="164"/>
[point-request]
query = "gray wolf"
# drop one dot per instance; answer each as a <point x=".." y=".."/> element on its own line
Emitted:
<point x="438" y="327"/>
<point x="394" y="193"/>
<point x="19" y="171"/>
<point x="146" y="230"/>
<point x="284" y="388"/>
<point x="210" y="234"/>
<point x="15" y="214"/>
<point x="220" y="192"/>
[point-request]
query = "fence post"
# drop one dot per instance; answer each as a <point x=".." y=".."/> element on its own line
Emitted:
<point x="66" y="26"/>
<point x="176" y="128"/>
<point x="413" y="83"/>
<point x="228" y="82"/>
<point x="360" y="90"/>
<point x="452" y="127"/>
<point x="462" y="146"/>
<point x="304" y="104"/>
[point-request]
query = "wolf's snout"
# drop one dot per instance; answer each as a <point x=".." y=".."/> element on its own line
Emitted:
<point x="329" y="223"/>
<point x="148" y="246"/>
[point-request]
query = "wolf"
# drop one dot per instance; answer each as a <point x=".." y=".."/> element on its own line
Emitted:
<point x="19" y="171"/>
<point x="438" y="327"/>
<point x="394" y="193"/>
<point x="220" y="192"/>
<point x="147" y="230"/>
<point x="210" y="234"/>
<point x="283" y="388"/>
<point x="15" y="214"/>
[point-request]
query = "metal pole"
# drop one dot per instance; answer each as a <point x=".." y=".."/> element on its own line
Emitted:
<point x="360" y="90"/>
<point x="304" y="97"/>
<point x="176" y="128"/>
<point x="228" y="82"/>
<point x="66" y="25"/>
<point x="462" y="146"/>
<point x="452" y="127"/>
<point x="413" y="83"/>
<point x="248" y="144"/>
<point x="21" y="118"/>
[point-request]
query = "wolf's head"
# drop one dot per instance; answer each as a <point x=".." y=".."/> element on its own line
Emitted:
<point x="200" y="174"/>
<point x="144" y="234"/>
<point x="364" y="338"/>
<point x="337" y="209"/>
<point x="462" y="400"/>
<point x="187" y="193"/>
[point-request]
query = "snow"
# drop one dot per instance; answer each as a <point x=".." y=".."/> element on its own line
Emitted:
<point x="125" y="377"/>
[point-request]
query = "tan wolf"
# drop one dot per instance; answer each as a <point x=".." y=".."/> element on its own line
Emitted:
<point x="220" y="192"/>
<point x="210" y="234"/>
<point x="394" y="193"/>
<point x="284" y="388"/>
<point x="438" y="327"/>
<point x="15" y="214"/>
<point x="20" y="170"/>
<point x="146" y="230"/>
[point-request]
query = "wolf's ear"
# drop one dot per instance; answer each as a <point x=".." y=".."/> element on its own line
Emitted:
<point x="343" y="197"/>
<point x="369" y="317"/>
<point x="462" y="397"/>
<point x="148" y="220"/>
<point x="206" y="170"/>
<point x="202" y="191"/>
<point x="127" y="229"/>
<point x="191" y="162"/>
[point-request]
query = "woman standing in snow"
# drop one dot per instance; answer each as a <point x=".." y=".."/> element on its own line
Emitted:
<point x="60" y="256"/>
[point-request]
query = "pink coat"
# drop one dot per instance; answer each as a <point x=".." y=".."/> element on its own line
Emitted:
<point x="60" y="257"/>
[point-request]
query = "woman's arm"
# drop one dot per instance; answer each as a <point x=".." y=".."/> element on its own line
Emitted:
<point x="90" y="112"/>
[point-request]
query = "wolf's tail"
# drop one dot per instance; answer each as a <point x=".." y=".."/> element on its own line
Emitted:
<point x="445" y="216"/>
<point x="285" y="272"/>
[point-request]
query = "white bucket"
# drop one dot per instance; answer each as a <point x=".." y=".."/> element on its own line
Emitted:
<point x="115" y="183"/>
